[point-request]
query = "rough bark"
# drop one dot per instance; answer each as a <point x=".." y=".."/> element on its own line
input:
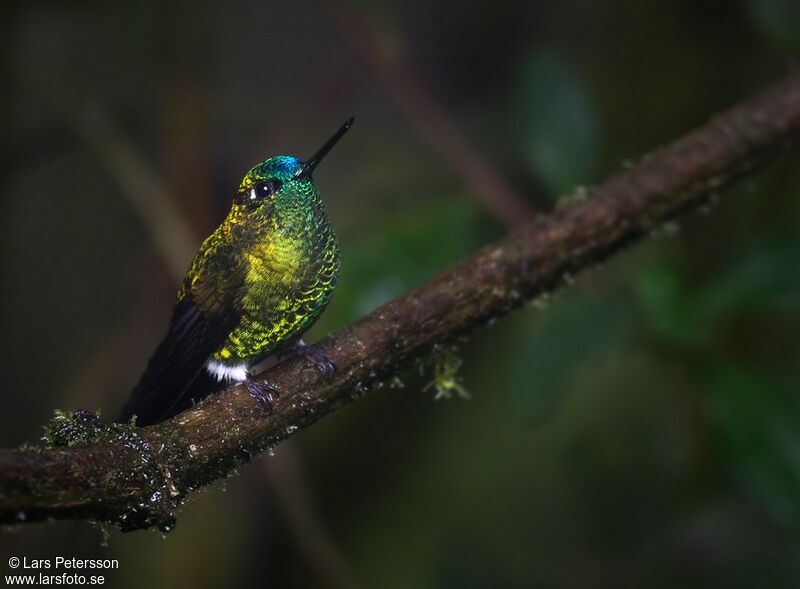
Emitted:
<point x="137" y="477"/>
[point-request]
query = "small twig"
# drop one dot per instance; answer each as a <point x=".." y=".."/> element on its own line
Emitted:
<point x="430" y="119"/>
<point x="141" y="186"/>
<point x="138" y="477"/>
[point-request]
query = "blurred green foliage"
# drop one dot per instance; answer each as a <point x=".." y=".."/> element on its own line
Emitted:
<point x="758" y="432"/>
<point x="778" y="20"/>
<point x="687" y="315"/>
<point x="557" y="125"/>
<point x="388" y="259"/>
<point x="568" y="337"/>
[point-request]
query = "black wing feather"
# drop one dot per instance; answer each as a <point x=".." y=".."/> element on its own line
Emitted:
<point x="174" y="373"/>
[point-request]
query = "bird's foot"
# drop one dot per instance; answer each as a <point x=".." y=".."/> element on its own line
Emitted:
<point x="320" y="361"/>
<point x="263" y="390"/>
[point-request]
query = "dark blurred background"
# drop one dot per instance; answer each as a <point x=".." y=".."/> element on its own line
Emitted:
<point x="640" y="428"/>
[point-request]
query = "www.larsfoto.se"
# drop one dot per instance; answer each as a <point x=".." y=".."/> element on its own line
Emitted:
<point x="62" y="579"/>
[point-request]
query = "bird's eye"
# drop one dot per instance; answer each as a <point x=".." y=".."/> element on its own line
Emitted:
<point x="265" y="189"/>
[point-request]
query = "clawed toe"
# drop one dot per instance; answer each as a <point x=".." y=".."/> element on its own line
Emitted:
<point x="262" y="390"/>
<point x="321" y="362"/>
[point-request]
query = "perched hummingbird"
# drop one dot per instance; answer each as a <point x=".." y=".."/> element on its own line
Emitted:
<point x="258" y="282"/>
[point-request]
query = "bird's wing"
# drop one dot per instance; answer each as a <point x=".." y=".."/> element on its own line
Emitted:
<point x="206" y="312"/>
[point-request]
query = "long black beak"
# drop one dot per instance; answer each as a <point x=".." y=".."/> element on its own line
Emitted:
<point x="314" y="160"/>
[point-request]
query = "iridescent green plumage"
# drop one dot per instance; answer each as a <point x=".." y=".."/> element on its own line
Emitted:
<point x="279" y="262"/>
<point x="258" y="282"/>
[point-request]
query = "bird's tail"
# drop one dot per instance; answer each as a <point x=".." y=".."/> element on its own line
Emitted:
<point x="150" y="404"/>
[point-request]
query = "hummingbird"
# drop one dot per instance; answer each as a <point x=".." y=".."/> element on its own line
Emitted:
<point x="256" y="284"/>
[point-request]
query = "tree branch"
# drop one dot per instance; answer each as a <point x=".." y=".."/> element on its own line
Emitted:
<point x="136" y="478"/>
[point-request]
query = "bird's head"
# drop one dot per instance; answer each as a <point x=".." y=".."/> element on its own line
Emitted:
<point x="283" y="182"/>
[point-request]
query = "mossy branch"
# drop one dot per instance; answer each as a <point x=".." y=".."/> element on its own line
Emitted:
<point x="136" y="478"/>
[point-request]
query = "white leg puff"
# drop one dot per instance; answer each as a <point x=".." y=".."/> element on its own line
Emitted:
<point x="222" y="371"/>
